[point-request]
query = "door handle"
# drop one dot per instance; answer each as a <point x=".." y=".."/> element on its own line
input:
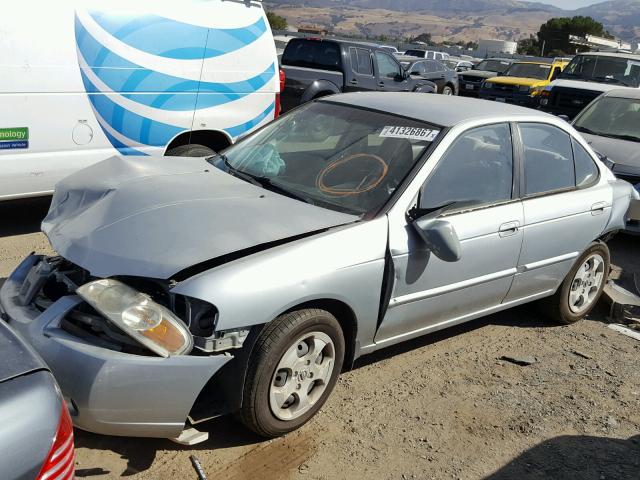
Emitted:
<point x="598" y="208"/>
<point x="381" y="84"/>
<point x="354" y="82"/>
<point x="509" y="228"/>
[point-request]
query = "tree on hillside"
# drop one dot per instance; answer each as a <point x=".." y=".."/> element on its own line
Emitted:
<point x="529" y="46"/>
<point x="423" y="37"/>
<point x="554" y="35"/>
<point x="276" y="21"/>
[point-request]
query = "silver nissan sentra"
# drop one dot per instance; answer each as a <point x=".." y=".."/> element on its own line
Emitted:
<point x="187" y="288"/>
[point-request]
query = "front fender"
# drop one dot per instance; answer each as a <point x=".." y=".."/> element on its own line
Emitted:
<point x="344" y="264"/>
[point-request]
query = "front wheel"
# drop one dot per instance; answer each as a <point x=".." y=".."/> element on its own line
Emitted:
<point x="295" y="365"/>
<point x="447" y="90"/>
<point x="582" y="287"/>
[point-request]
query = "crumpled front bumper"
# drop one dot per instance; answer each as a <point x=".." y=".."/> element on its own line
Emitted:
<point x="108" y="392"/>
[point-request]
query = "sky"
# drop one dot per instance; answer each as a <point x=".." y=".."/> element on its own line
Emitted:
<point x="571" y="4"/>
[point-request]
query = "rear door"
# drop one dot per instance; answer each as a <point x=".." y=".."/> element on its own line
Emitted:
<point x="565" y="207"/>
<point x="360" y="74"/>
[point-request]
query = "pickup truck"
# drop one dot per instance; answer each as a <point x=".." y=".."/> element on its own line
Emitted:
<point x="586" y="77"/>
<point x="315" y="68"/>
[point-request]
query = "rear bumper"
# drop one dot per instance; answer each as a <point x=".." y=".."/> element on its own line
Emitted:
<point x="109" y="392"/>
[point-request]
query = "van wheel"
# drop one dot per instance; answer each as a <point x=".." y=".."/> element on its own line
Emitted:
<point x="581" y="288"/>
<point x="293" y="369"/>
<point x="190" y="150"/>
<point x="447" y="90"/>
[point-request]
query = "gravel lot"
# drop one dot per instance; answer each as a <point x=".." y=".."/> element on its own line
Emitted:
<point x="444" y="406"/>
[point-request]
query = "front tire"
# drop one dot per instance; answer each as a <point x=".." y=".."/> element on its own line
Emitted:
<point x="581" y="288"/>
<point x="294" y="367"/>
<point x="447" y="90"/>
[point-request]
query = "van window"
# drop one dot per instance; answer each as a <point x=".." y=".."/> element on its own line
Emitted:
<point x="324" y="55"/>
<point x="361" y="61"/>
<point x="548" y="158"/>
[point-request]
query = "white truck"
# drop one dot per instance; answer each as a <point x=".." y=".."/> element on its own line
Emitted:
<point x="82" y="80"/>
<point x="586" y="77"/>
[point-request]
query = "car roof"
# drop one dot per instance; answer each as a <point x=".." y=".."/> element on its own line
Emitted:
<point x="630" y="93"/>
<point x="412" y="59"/>
<point x="633" y="56"/>
<point x="443" y="110"/>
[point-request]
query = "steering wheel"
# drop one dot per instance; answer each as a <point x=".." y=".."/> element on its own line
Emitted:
<point x="375" y="169"/>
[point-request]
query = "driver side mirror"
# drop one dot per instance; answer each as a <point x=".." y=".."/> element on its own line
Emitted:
<point x="439" y="236"/>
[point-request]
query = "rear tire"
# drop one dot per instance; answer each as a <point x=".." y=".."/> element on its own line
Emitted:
<point x="294" y="366"/>
<point x="582" y="287"/>
<point x="190" y="150"/>
<point x="448" y="90"/>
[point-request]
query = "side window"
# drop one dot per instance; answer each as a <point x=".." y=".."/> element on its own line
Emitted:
<point x="387" y="67"/>
<point x="586" y="169"/>
<point x="548" y="159"/>
<point x="418" y="67"/>
<point x="361" y="61"/>
<point x="476" y="170"/>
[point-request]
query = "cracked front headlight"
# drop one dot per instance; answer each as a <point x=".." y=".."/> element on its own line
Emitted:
<point x="149" y="323"/>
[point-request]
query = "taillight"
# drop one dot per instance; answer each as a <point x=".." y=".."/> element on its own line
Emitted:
<point x="282" y="80"/>
<point x="60" y="462"/>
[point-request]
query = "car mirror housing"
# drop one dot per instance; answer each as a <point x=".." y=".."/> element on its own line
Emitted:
<point x="439" y="236"/>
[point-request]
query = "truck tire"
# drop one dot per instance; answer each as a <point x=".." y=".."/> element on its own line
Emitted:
<point x="582" y="287"/>
<point x="294" y="366"/>
<point x="190" y="150"/>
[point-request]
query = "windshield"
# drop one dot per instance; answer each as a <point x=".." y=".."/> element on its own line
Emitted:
<point x="612" y="117"/>
<point x="499" y="66"/>
<point x="333" y="156"/>
<point x="539" y="71"/>
<point x="622" y="71"/>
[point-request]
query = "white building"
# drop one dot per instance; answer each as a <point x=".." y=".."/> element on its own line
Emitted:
<point x="488" y="48"/>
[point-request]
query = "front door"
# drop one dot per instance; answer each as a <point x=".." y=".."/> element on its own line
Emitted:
<point x="475" y="178"/>
<point x="391" y="76"/>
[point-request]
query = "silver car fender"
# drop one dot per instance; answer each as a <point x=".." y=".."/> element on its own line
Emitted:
<point x="344" y="264"/>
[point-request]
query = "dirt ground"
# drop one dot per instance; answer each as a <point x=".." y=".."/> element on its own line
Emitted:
<point x="441" y="407"/>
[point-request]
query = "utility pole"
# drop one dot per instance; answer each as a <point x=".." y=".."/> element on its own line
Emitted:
<point x="544" y="42"/>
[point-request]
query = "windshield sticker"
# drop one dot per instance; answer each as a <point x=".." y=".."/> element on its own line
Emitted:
<point x="11" y="138"/>
<point x="410" y="133"/>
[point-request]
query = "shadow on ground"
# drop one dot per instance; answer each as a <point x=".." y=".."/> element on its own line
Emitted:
<point x="22" y="216"/>
<point x="140" y="453"/>
<point x="578" y="457"/>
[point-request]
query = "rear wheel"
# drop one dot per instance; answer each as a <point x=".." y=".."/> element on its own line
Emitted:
<point x="447" y="90"/>
<point x="294" y="367"/>
<point x="190" y="150"/>
<point x="582" y="287"/>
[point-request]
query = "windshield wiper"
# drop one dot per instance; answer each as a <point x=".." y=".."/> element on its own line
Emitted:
<point x="587" y="131"/>
<point x="260" y="181"/>
<point x="612" y="80"/>
<point x="630" y="138"/>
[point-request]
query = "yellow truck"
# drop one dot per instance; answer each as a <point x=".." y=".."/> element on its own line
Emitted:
<point x="522" y="82"/>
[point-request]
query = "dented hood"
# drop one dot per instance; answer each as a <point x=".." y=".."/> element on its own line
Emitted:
<point x="153" y="217"/>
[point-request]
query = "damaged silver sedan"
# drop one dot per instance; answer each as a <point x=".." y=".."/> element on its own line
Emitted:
<point x="188" y="288"/>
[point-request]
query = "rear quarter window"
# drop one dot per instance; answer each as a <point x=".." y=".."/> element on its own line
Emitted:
<point x="313" y="54"/>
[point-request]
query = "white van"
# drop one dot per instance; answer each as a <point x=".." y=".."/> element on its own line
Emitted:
<point x="82" y="80"/>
